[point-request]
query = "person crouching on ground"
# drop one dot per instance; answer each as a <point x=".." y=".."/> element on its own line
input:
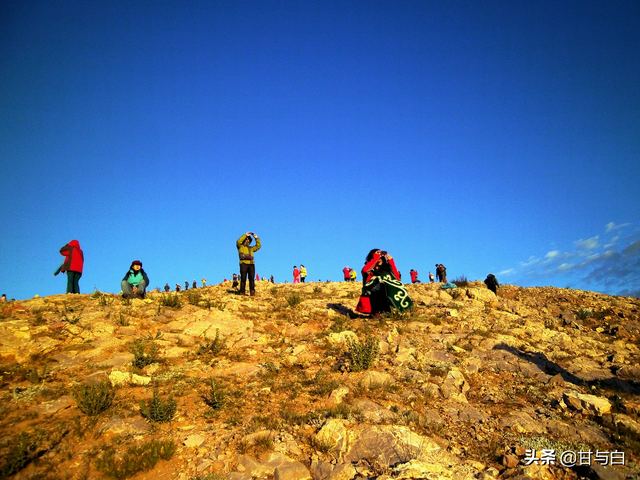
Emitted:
<point x="381" y="286"/>
<point x="135" y="282"/>
<point x="247" y="263"/>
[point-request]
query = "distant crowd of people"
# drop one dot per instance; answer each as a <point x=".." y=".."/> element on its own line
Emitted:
<point x="382" y="288"/>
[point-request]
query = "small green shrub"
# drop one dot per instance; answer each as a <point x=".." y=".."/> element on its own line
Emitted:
<point x="122" y="320"/>
<point x="362" y="355"/>
<point x="171" y="300"/>
<point x="341" y="411"/>
<point x="322" y="385"/>
<point x="317" y="290"/>
<point x="158" y="410"/>
<point x="275" y="292"/>
<point x="215" y="397"/>
<point x="323" y="445"/>
<point x="212" y="346"/>
<point x="137" y="458"/>
<point x="214" y="303"/>
<point x="38" y="319"/>
<point x="70" y="315"/>
<point x="19" y="452"/>
<point x="461" y="281"/>
<point x="94" y="398"/>
<point x="292" y="417"/>
<point x="293" y="299"/>
<point x="583" y="314"/>
<point x="264" y="442"/>
<point x="104" y="299"/>
<point x="145" y="353"/>
<point x="193" y="297"/>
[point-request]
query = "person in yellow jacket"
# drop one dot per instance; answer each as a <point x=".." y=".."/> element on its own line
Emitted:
<point x="352" y="275"/>
<point x="247" y="264"/>
<point x="303" y="273"/>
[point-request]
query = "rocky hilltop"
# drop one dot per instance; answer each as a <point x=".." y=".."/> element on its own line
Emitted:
<point x="292" y="384"/>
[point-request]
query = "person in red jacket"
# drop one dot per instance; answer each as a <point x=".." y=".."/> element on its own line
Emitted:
<point x="414" y="276"/>
<point x="296" y="274"/>
<point x="381" y="285"/>
<point x="72" y="265"/>
<point x="347" y="273"/>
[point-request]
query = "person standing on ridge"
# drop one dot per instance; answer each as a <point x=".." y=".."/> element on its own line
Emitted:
<point x="247" y="263"/>
<point x="204" y="282"/>
<point x="492" y="283"/>
<point x="167" y="288"/>
<point x="296" y="275"/>
<point x="414" y="276"/>
<point x="135" y="281"/>
<point x="303" y="273"/>
<point x="352" y="275"/>
<point x="347" y="275"/>
<point x="430" y="277"/>
<point x="72" y="265"/>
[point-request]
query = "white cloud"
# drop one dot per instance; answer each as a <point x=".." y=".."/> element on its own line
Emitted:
<point x="565" y="266"/>
<point x="610" y="264"/>
<point x="612" y="226"/>
<point x="532" y="261"/>
<point x="612" y="242"/>
<point x="589" y="243"/>
<point x="552" y="254"/>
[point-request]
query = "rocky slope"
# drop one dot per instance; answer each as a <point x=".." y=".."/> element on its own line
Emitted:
<point x="292" y="384"/>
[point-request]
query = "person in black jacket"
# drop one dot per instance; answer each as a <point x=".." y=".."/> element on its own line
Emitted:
<point x="135" y="282"/>
<point x="492" y="283"/>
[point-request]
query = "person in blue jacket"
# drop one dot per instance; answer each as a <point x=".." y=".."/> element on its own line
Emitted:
<point x="135" y="282"/>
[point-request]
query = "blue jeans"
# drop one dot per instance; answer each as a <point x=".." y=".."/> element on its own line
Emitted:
<point x="72" y="282"/>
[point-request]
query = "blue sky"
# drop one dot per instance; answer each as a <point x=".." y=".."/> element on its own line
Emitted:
<point x="493" y="137"/>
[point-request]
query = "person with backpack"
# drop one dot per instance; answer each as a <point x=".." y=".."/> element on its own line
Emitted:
<point x="492" y="283"/>
<point x="135" y="281"/>
<point x="247" y="263"/>
<point x="352" y="274"/>
<point x="73" y="265"/>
